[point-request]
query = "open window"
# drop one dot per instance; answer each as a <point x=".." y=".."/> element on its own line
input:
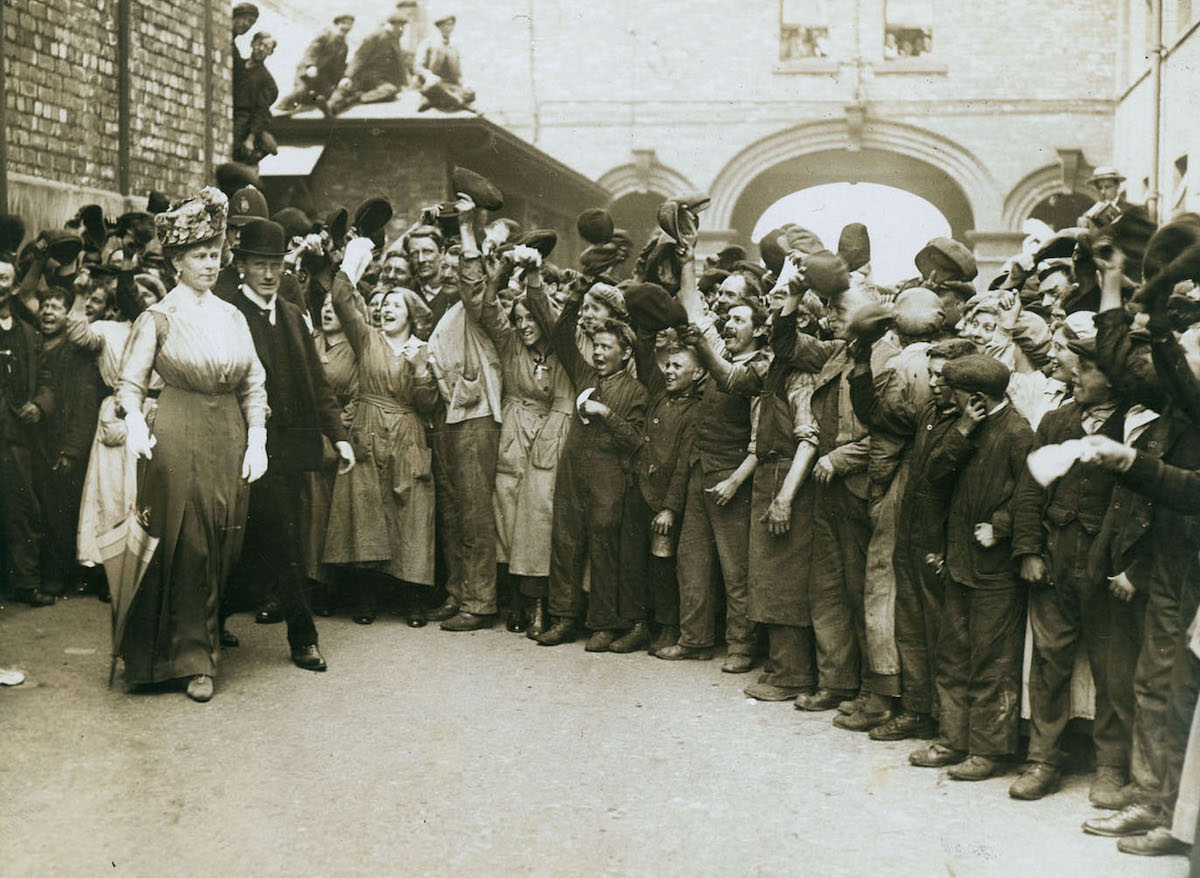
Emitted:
<point x="803" y="29"/>
<point x="908" y="29"/>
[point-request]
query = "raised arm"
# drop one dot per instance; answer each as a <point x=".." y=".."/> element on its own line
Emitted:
<point x="347" y="304"/>
<point x="80" y="333"/>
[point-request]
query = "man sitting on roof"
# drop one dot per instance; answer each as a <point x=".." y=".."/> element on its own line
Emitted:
<point x="379" y="68"/>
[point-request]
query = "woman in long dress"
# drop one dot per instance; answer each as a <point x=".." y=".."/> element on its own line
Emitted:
<point x="208" y="444"/>
<point x="535" y="417"/>
<point x="382" y="514"/>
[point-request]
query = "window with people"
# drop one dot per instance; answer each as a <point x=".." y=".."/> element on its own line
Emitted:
<point x="803" y="29"/>
<point x="908" y="29"/>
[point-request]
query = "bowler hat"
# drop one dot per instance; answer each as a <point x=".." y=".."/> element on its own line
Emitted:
<point x="337" y="224"/>
<point x="978" y="373"/>
<point x="295" y="222"/>
<point x="261" y="237"/>
<point x="541" y="240"/>
<point x="156" y="202"/>
<point x="652" y="308"/>
<point x="1061" y="245"/>
<point x="12" y="233"/>
<point x="950" y="254"/>
<point x="477" y="187"/>
<point x="595" y="225"/>
<point x="233" y="176"/>
<point x="854" y="246"/>
<point x="371" y="216"/>
<point x="246" y="204"/>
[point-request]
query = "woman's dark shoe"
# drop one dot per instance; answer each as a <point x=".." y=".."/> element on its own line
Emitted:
<point x="537" y="619"/>
<point x="517" y="620"/>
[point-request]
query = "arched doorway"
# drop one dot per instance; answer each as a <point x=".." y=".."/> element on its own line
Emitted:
<point x="876" y="166"/>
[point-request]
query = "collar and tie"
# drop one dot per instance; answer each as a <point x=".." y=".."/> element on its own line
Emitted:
<point x="265" y="306"/>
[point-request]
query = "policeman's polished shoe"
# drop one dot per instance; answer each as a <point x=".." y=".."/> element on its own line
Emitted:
<point x="561" y="631"/>
<point x="1110" y="788"/>
<point x="975" y="768"/>
<point x="678" y="652"/>
<point x="537" y="620"/>
<point x="308" y="657"/>
<point x="822" y="699"/>
<point x="1158" y="842"/>
<point x="444" y="612"/>
<point x="636" y="638"/>
<point x="416" y="616"/>
<point x="200" y="688"/>
<point x="269" y="615"/>
<point x="771" y="692"/>
<point x="863" y="720"/>
<point x="1135" y="819"/>
<point x="600" y="641"/>
<point x="904" y="725"/>
<point x="936" y="756"/>
<point x="467" y="622"/>
<point x="1037" y="780"/>
<point x="737" y="663"/>
<point x="229" y="639"/>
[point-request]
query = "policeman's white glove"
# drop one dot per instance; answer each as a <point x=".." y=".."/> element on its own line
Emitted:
<point x="356" y="258"/>
<point x="254" y="464"/>
<point x="137" y="436"/>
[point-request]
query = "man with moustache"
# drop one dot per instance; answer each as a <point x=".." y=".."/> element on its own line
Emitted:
<point x="303" y="408"/>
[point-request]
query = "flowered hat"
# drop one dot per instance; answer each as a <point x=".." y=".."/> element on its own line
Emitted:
<point x="194" y="220"/>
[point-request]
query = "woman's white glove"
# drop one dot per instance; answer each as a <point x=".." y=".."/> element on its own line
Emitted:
<point x="137" y="436"/>
<point x="254" y="464"/>
<point x="356" y="258"/>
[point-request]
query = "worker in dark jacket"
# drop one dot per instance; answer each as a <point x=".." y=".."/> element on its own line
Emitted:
<point x="252" y="100"/>
<point x="243" y="17"/>
<point x="64" y="440"/>
<point x="379" y="68"/>
<point x="1054" y="529"/>
<point x="983" y="622"/>
<point x="321" y="68"/>
<point x="654" y="503"/>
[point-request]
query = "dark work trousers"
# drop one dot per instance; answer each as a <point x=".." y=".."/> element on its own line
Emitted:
<point x="789" y="657"/>
<point x="1060" y="616"/>
<point x="841" y="531"/>
<point x="979" y="667"/>
<point x="468" y="452"/>
<point x="920" y="589"/>
<point x="19" y="520"/>
<point x="270" y="559"/>
<point x="59" y="493"/>
<point x="1122" y="646"/>
<point x="648" y="587"/>
<point x="535" y="586"/>
<point x="714" y="545"/>
<point x="449" y="565"/>
<point x="589" y="494"/>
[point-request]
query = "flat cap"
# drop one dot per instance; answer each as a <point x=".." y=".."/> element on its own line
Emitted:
<point x="371" y="216"/>
<point x="948" y="254"/>
<point x="771" y="250"/>
<point x="477" y="187"/>
<point x="978" y="373"/>
<point x="918" y="312"/>
<point x="826" y="274"/>
<point x="541" y="240"/>
<point x="652" y="308"/>
<point x="854" y="246"/>
<point x="595" y="225"/>
<point x="295" y="222"/>
<point x="240" y="9"/>
<point x="952" y="349"/>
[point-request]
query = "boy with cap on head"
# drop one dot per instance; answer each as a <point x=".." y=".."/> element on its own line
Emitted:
<point x="982" y="632"/>
<point x="256" y="91"/>
<point x="243" y="18"/>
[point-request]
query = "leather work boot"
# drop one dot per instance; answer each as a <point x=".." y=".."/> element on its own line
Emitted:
<point x="1135" y="819"/>
<point x="537" y="619"/>
<point x="1037" y="780"/>
<point x="636" y="638"/>
<point x="561" y="631"/>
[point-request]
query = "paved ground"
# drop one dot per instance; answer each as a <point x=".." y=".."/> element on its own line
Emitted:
<point x="427" y="753"/>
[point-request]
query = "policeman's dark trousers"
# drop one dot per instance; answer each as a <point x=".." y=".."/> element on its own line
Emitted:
<point x="19" y="515"/>
<point x="59" y="493"/>
<point x="1060" y="616"/>
<point x="270" y="560"/>
<point x="920" y="589"/>
<point x="468" y="452"/>
<point x="589" y="496"/>
<point x="841" y="532"/>
<point x="648" y="587"/>
<point x="714" y="546"/>
<point x="979" y="667"/>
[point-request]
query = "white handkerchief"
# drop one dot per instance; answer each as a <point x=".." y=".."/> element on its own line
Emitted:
<point x="584" y="397"/>
<point x="1050" y="463"/>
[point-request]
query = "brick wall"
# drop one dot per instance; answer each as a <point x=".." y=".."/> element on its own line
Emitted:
<point x="61" y="94"/>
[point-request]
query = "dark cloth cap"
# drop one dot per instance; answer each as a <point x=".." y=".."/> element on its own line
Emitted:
<point x="1169" y="241"/>
<point x="156" y="202"/>
<point x="750" y="268"/>
<point x="854" y="246"/>
<point x="710" y="280"/>
<point x="772" y="251"/>
<point x="804" y="240"/>
<point x="826" y="274"/>
<point x="295" y="222"/>
<point x="950" y="252"/>
<point x="1132" y="232"/>
<point x="62" y="246"/>
<point x="345" y="16"/>
<point x="595" y="225"/>
<point x="652" y="308"/>
<point x="246" y="204"/>
<point x="728" y="258"/>
<point x="978" y="373"/>
<point x="371" y="216"/>
<point x="952" y="349"/>
<point x="541" y="240"/>
<point x="12" y="233"/>
<point x="1083" y="347"/>
<point x="477" y="187"/>
<point x="245" y="9"/>
<point x="868" y="320"/>
<point x="1061" y="245"/>
<point x="233" y="176"/>
<point x="90" y="218"/>
<point x="261" y="237"/>
<point x="337" y="224"/>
